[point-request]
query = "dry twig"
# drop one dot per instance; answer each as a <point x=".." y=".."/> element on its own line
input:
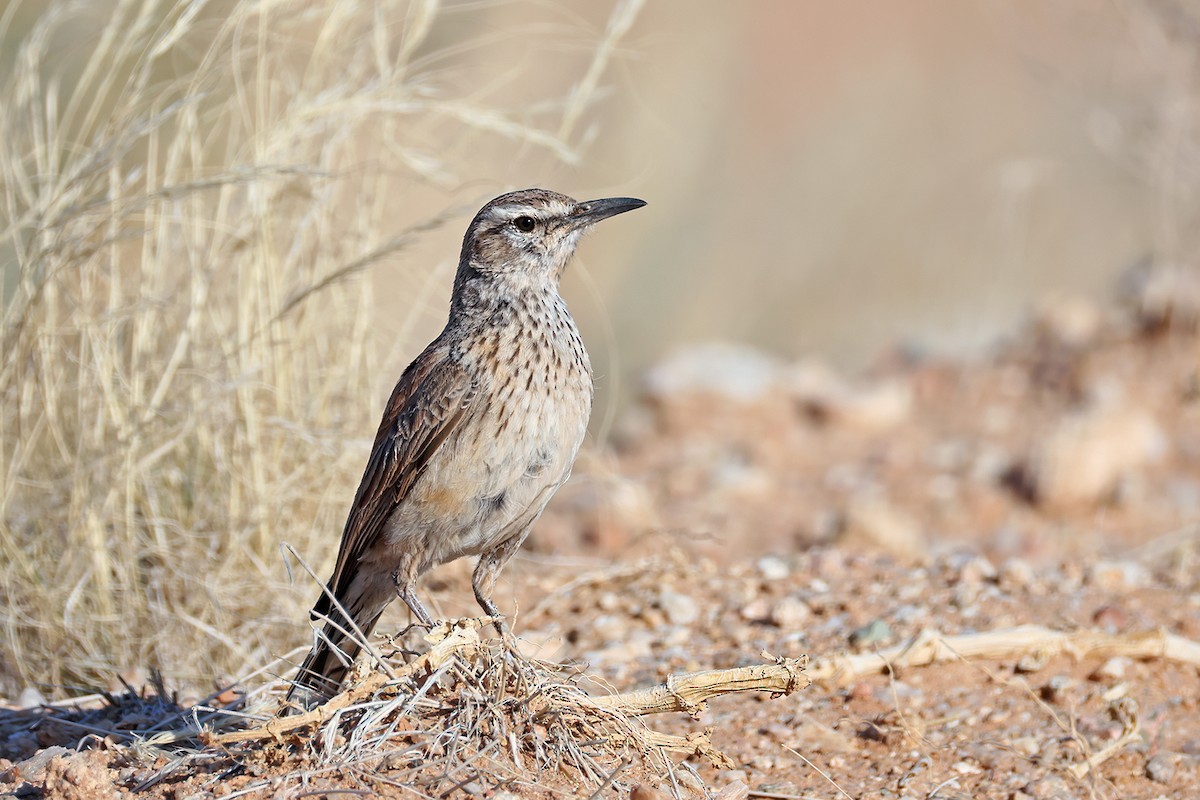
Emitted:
<point x="690" y="692"/>
<point x="931" y="647"/>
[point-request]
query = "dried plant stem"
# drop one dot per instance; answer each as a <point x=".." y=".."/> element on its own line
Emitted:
<point x="1131" y="734"/>
<point x="690" y="692"/>
<point x="930" y="647"/>
<point x="457" y="641"/>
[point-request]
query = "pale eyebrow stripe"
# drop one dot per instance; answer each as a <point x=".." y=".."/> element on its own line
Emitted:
<point x="537" y="212"/>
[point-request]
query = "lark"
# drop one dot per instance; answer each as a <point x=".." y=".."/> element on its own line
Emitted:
<point x="480" y="431"/>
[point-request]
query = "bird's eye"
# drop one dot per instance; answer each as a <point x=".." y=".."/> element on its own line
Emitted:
<point x="525" y="224"/>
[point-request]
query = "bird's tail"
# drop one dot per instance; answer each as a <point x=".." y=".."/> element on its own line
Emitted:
<point x="323" y="670"/>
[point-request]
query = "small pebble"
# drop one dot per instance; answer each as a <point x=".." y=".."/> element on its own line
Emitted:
<point x="608" y="628"/>
<point x="644" y="792"/>
<point x="1051" y="787"/>
<point x="33" y="769"/>
<point x="874" y="632"/>
<point x="773" y="568"/>
<point x="1111" y="618"/>
<point x="763" y="763"/>
<point x="790" y="613"/>
<point x="1115" y="576"/>
<point x="757" y="610"/>
<point x="736" y="790"/>
<point x="1026" y="745"/>
<point x="1160" y="769"/>
<point x="1113" y="669"/>
<point x="829" y="563"/>
<point x="910" y="614"/>
<point x="861" y="691"/>
<point x="624" y="651"/>
<point x="679" y="608"/>
<point x="977" y="570"/>
<point x="1118" y="692"/>
<point x="1017" y="573"/>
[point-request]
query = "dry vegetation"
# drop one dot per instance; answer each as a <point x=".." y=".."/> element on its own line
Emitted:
<point x="992" y="563"/>
<point x="192" y="201"/>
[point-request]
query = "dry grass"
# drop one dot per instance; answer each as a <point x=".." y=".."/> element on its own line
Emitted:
<point x="464" y="712"/>
<point x="186" y="228"/>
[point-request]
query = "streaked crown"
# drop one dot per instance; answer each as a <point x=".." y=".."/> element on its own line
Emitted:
<point x="533" y="232"/>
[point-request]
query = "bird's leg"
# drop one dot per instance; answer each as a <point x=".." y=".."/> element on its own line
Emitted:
<point x="483" y="594"/>
<point x="405" y="590"/>
<point x="483" y="581"/>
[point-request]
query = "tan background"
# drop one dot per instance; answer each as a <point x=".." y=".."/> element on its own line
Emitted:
<point x="837" y="177"/>
<point x="828" y="177"/>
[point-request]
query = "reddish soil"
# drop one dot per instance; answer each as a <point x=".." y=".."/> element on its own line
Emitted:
<point x="753" y="505"/>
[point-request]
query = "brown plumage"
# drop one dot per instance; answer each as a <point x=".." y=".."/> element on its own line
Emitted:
<point x="480" y="431"/>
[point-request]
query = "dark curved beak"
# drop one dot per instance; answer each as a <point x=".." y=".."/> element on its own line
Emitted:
<point x="590" y="212"/>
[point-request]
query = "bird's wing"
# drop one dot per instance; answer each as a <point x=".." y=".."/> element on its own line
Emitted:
<point x="430" y="401"/>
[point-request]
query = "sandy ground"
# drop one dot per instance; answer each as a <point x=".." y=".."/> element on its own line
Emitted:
<point x="753" y="506"/>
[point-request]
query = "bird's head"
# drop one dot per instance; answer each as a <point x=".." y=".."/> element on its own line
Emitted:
<point x="530" y="235"/>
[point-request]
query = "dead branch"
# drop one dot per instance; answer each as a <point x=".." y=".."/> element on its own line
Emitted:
<point x="930" y="647"/>
<point x="690" y="692"/>
<point x="1080" y="770"/>
<point x="693" y="744"/>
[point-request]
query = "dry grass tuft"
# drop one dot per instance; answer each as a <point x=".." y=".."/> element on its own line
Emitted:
<point x="463" y="712"/>
<point x="187" y="219"/>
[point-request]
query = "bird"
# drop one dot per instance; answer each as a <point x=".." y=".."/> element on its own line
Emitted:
<point x="481" y="429"/>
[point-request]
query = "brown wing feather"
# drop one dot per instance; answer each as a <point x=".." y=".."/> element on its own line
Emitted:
<point x="409" y="434"/>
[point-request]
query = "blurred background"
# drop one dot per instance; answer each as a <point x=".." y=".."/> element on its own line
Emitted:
<point x="822" y="178"/>
<point x="832" y="178"/>
<point x="226" y="227"/>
